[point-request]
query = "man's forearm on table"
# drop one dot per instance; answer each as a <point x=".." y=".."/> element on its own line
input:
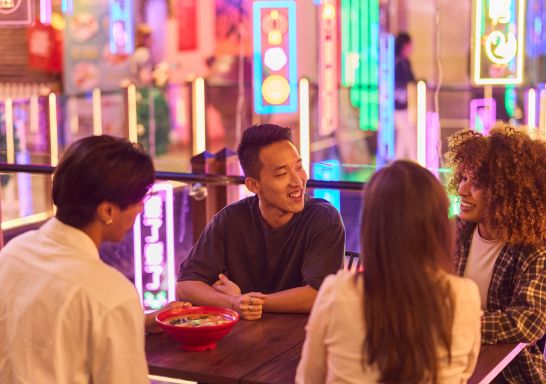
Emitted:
<point x="294" y="300"/>
<point x="199" y="293"/>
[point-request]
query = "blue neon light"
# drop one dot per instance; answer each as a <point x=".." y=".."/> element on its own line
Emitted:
<point x="329" y="170"/>
<point x="536" y="28"/>
<point x="259" y="106"/>
<point x="121" y="27"/>
<point x="67" y="6"/>
<point x="386" y="134"/>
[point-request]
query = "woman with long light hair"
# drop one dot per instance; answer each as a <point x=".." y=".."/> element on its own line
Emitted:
<point x="405" y="318"/>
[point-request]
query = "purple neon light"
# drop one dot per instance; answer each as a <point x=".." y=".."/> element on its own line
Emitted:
<point x="483" y="113"/>
<point x="432" y="140"/>
<point x="157" y="217"/>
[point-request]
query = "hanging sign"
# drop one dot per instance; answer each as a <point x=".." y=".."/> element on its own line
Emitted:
<point x="499" y="33"/>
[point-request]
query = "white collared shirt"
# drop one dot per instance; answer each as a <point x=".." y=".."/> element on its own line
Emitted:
<point x="66" y="316"/>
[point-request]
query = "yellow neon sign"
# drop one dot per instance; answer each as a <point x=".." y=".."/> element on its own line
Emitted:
<point x="498" y="42"/>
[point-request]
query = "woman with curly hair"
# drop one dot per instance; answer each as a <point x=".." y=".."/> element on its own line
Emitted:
<point x="501" y="238"/>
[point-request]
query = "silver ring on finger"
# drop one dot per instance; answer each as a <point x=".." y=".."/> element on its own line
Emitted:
<point x="250" y="308"/>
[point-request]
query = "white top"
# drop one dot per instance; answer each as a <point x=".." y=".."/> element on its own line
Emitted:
<point x="65" y="316"/>
<point x="332" y="352"/>
<point x="481" y="260"/>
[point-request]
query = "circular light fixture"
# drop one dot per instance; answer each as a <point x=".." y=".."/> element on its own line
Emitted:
<point x="275" y="58"/>
<point x="275" y="89"/>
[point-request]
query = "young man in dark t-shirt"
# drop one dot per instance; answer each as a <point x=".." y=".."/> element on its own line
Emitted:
<point x="269" y="252"/>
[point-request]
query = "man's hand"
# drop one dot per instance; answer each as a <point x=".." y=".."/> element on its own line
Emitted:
<point x="249" y="306"/>
<point x="151" y="326"/>
<point x="226" y="286"/>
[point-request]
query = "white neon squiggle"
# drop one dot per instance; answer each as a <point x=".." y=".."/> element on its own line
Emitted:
<point x="506" y="47"/>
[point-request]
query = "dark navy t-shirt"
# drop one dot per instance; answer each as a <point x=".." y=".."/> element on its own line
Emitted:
<point x="238" y="243"/>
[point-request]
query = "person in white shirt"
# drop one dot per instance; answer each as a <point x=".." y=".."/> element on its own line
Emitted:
<point x="405" y="318"/>
<point x="66" y="316"/>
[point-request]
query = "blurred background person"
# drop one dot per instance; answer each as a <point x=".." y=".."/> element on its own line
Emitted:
<point x="406" y="131"/>
<point x="405" y="318"/>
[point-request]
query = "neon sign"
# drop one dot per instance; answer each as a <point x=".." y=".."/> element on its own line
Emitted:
<point x="499" y="33"/>
<point x="386" y="134"/>
<point x="433" y="143"/>
<point x="154" y="249"/>
<point x="328" y="68"/>
<point x="483" y="113"/>
<point x="360" y="58"/>
<point x="275" y="57"/>
<point x="121" y="27"/>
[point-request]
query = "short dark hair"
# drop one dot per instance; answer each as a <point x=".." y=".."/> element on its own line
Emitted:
<point x="254" y="139"/>
<point x="402" y="39"/>
<point x="96" y="169"/>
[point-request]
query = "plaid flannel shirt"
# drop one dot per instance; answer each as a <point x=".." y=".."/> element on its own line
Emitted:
<point x="516" y="304"/>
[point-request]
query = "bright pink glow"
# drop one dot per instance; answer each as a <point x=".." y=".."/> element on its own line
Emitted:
<point x="433" y="145"/>
<point x="483" y="113"/>
<point x="328" y="68"/>
<point x="154" y="248"/>
<point x="45" y="11"/>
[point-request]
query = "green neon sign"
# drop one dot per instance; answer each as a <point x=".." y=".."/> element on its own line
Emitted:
<point x="360" y="58"/>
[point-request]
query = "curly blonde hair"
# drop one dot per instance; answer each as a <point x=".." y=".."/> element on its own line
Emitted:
<point x="511" y="168"/>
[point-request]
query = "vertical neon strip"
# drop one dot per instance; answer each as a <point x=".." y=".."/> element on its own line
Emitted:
<point x="53" y="133"/>
<point x="542" y="120"/>
<point x="198" y="118"/>
<point x="137" y="252"/>
<point x="328" y="68"/>
<point x="421" y="123"/>
<point x="257" y="63"/>
<point x="304" y="124"/>
<point x="34" y="114"/>
<point x="521" y="41"/>
<point x="132" y="113"/>
<point x="97" y="112"/>
<point x="171" y="273"/>
<point x="45" y="11"/>
<point x="10" y="135"/>
<point x="373" y="72"/>
<point x="385" y="143"/>
<point x="345" y="41"/>
<point x="432" y="143"/>
<point x="167" y="278"/>
<point x="67" y="6"/>
<point x="121" y="27"/>
<point x="532" y="108"/>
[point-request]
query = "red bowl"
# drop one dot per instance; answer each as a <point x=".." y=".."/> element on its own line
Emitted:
<point x="197" y="338"/>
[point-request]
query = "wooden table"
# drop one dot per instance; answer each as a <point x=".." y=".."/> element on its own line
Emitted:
<point x="492" y="360"/>
<point x="247" y="347"/>
<point x="267" y="351"/>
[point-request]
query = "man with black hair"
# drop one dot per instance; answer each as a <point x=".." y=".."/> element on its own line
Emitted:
<point x="269" y="252"/>
<point x="66" y="316"/>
